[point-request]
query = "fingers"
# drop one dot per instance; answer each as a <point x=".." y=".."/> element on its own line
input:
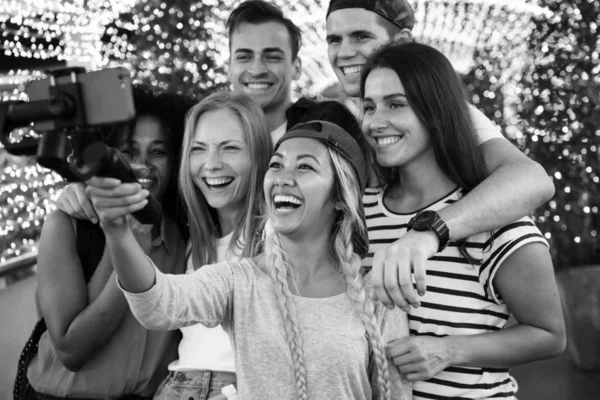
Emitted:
<point x="399" y="267"/>
<point x="378" y="291"/>
<point x="419" y="272"/>
<point x="83" y="205"/>
<point x="398" y="347"/>
<point x="68" y="201"/>
<point x="108" y="214"/>
<point x="395" y="270"/>
<point x="113" y="200"/>
<point x="409" y="258"/>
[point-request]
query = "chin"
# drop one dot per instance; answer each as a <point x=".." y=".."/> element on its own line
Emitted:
<point x="386" y="163"/>
<point x="282" y="228"/>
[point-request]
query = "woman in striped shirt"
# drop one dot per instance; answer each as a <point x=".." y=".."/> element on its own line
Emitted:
<point x="417" y="122"/>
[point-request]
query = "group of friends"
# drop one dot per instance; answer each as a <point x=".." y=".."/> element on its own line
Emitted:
<point x="315" y="256"/>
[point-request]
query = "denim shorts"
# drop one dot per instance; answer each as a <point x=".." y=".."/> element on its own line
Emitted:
<point x="193" y="385"/>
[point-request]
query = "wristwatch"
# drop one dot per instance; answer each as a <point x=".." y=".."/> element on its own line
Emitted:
<point x="431" y="221"/>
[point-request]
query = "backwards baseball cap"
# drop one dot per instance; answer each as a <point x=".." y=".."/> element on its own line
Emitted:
<point x="398" y="12"/>
<point x="336" y="138"/>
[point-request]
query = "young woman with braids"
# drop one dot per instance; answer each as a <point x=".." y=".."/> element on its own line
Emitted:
<point x="417" y="122"/>
<point x="300" y="321"/>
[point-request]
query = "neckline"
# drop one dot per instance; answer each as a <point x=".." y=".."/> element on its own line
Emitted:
<point x="391" y="213"/>
<point x="294" y="296"/>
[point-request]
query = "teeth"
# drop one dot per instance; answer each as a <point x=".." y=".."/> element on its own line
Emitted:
<point x="386" y="141"/>
<point x="355" y="69"/>
<point x="145" y="180"/>
<point x="287" y="199"/>
<point x="258" y="86"/>
<point x="218" y="181"/>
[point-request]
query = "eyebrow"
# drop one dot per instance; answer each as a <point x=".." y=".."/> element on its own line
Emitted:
<point x="131" y="141"/>
<point x="299" y="157"/>
<point x="353" y="33"/>
<point x="273" y="50"/>
<point x="361" y="32"/>
<point x="224" y="142"/>
<point x="388" y="96"/>
<point x="265" y="50"/>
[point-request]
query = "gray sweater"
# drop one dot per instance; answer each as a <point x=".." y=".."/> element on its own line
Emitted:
<point x="241" y="297"/>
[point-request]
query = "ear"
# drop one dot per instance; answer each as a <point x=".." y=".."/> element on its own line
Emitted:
<point x="297" y="65"/>
<point x="403" y="36"/>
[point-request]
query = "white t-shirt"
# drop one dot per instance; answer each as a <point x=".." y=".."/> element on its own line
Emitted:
<point x="484" y="128"/>
<point x="278" y="132"/>
<point x="203" y="348"/>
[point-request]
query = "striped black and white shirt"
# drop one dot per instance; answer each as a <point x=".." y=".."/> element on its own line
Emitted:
<point x="461" y="298"/>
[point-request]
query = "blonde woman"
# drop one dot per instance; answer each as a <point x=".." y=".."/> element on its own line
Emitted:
<point x="298" y="316"/>
<point x="224" y="157"/>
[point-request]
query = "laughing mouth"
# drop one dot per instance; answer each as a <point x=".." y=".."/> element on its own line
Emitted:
<point x="217" y="183"/>
<point x="258" y="86"/>
<point x="351" y="70"/>
<point x="286" y="202"/>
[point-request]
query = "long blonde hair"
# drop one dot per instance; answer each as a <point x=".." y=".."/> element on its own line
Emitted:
<point x="349" y="239"/>
<point x="203" y="219"/>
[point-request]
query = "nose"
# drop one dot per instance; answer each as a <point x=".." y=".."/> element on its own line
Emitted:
<point x="257" y="67"/>
<point x="375" y="122"/>
<point x="213" y="160"/>
<point x="347" y="50"/>
<point x="285" y="178"/>
<point x="141" y="165"/>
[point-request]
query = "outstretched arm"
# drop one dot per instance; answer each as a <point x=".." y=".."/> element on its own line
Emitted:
<point x="159" y="301"/>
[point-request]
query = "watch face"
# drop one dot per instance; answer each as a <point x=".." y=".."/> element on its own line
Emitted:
<point x="426" y="218"/>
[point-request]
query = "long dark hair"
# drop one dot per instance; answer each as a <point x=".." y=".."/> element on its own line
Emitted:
<point x="435" y="93"/>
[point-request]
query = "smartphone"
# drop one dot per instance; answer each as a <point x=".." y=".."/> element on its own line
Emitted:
<point x="107" y="96"/>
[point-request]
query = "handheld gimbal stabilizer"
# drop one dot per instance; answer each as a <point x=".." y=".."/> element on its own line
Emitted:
<point x="61" y="106"/>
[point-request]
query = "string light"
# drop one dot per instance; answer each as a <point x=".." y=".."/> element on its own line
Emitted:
<point x="65" y="30"/>
<point x="186" y="43"/>
<point x="554" y="114"/>
<point x="27" y="196"/>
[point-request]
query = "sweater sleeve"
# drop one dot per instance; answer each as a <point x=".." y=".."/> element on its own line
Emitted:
<point x="393" y="325"/>
<point x="175" y="301"/>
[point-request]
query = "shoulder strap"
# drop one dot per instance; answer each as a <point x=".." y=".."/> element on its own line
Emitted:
<point x="90" y="246"/>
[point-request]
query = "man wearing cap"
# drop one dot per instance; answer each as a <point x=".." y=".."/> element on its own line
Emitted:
<point x="516" y="185"/>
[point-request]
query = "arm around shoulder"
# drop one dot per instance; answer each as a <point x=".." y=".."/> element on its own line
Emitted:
<point x="516" y="186"/>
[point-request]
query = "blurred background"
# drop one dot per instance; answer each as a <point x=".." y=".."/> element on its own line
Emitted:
<point x="533" y="67"/>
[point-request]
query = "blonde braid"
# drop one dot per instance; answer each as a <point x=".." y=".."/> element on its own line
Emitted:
<point x="365" y="309"/>
<point x="279" y="268"/>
